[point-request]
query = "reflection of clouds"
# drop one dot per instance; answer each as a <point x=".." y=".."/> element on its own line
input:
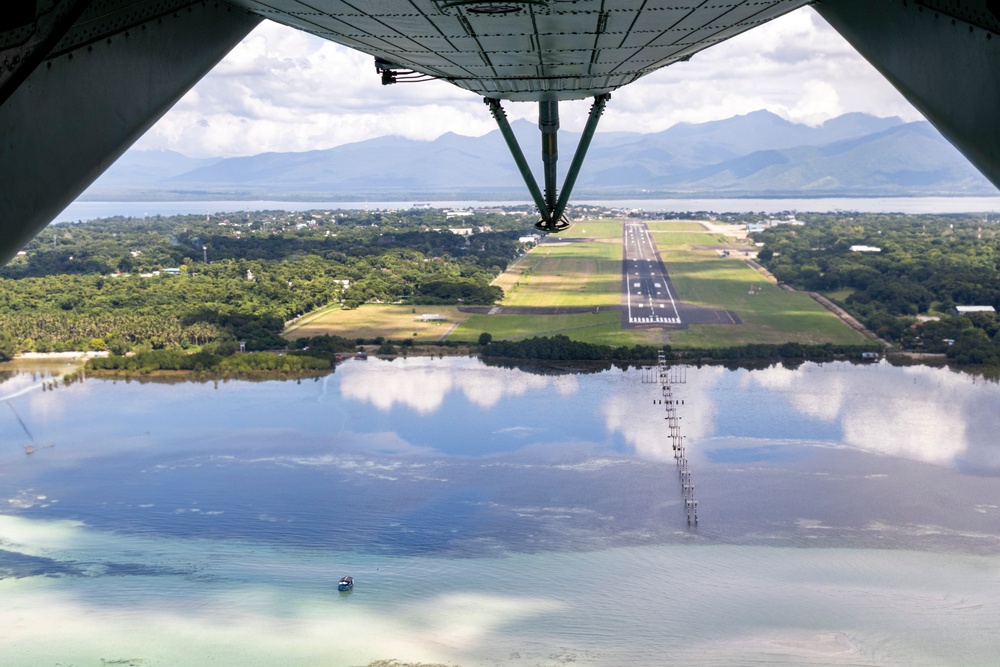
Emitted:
<point x="263" y="625"/>
<point x="519" y="431"/>
<point x="380" y="442"/>
<point x="17" y="386"/>
<point x="825" y="402"/>
<point x="422" y="383"/>
<point x="26" y="381"/>
<point x="906" y="426"/>
<point x="384" y="469"/>
<point x="26" y="385"/>
<point x="46" y="405"/>
<point x="274" y="618"/>
<point x="921" y="413"/>
<point x="644" y="426"/>
<point x="465" y="620"/>
<point x="649" y="435"/>
<point x="38" y="537"/>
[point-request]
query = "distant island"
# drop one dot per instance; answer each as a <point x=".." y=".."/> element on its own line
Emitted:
<point x="754" y="155"/>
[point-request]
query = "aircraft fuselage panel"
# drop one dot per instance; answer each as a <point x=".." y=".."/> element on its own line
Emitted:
<point x="87" y="102"/>
<point x="944" y="57"/>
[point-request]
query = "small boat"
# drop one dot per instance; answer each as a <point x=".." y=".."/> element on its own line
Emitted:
<point x="345" y="584"/>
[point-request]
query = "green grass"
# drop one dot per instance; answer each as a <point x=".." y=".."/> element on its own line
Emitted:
<point x="373" y="320"/>
<point x="576" y="274"/>
<point x="839" y="294"/>
<point x="593" y="229"/>
<point x="310" y="317"/>
<point x="600" y="328"/>
<point x="686" y="238"/>
<point x="770" y="315"/>
<point x="675" y="226"/>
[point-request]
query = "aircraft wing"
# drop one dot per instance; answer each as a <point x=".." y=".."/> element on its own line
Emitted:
<point x="81" y="80"/>
<point x="528" y="49"/>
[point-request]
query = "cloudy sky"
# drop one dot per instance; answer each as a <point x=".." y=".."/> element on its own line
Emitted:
<point x="285" y="90"/>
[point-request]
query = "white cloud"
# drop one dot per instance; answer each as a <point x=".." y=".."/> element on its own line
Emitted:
<point x="797" y="67"/>
<point x="285" y="90"/>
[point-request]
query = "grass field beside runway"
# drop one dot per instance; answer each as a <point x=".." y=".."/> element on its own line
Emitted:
<point x="593" y="229"/>
<point x="686" y="238"/>
<point x="569" y="272"/>
<point x="769" y="315"/>
<point x="603" y="327"/>
<point x="371" y="320"/>
<point x="675" y="226"/>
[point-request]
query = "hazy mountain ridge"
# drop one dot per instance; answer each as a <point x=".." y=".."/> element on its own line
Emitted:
<point x="755" y="154"/>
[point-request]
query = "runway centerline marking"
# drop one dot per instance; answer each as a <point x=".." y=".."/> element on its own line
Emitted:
<point x="639" y="247"/>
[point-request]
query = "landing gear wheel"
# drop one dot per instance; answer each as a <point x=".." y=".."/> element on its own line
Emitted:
<point x="552" y="228"/>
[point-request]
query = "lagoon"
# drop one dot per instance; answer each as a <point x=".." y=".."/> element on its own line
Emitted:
<point x="502" y="516"/>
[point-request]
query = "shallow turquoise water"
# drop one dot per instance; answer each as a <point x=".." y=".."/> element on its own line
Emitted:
<point x="490" y="516"/>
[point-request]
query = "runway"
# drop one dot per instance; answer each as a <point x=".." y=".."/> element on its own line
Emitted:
<point x="649" y="296"/>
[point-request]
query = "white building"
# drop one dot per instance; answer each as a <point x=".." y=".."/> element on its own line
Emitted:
<point x="965" y="310"/>
<point x="865" y="248"/>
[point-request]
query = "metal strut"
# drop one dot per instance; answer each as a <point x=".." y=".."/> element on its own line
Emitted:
<point x="551" y="206"/>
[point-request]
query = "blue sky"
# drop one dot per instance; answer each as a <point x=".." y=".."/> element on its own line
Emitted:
<point x="284" y="90"/>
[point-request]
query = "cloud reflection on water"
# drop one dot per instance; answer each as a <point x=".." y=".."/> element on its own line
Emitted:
<point x="235" y="603"/>
<point x="426" y="382"/>
<point x="919" y="413"/>
<point x="643" y="424"/>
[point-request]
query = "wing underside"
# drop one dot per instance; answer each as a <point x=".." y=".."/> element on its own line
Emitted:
<point x="80" y="80"/>
<point x="528" y="49"/>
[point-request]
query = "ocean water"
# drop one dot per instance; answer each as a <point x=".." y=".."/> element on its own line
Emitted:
<point x="848" y="515"/>
<point x="89" y="210"/>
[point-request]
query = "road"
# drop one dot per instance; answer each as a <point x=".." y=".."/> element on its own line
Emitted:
<point x="649" y="298"/>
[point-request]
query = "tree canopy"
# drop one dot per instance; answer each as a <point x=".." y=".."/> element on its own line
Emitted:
<point x="184" y="281"/>
<point x="908" y="290"/>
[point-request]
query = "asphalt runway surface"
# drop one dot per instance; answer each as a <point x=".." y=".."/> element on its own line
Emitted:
<point x="648" y="296"/>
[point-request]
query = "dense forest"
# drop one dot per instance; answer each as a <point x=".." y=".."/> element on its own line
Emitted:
<point x="906" y="279"/>
<point x="183" y="281"/>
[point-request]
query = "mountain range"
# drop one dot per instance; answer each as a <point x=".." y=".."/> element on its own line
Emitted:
<point x="757" y="154"/>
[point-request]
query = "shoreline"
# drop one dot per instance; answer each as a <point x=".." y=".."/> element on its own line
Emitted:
<point x="75" y="355"/>
<point x="891" y="357"/>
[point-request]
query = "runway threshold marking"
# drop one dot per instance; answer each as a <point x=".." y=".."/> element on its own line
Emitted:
<point x="632" y="237"/>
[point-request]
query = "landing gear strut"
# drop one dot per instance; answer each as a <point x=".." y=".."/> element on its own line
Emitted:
<point x="551" y="206"/>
